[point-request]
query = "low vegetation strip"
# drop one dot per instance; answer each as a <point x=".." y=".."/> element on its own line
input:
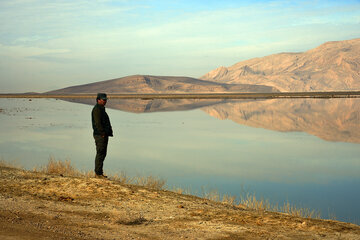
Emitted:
<point x="330" y="94"/>
<point x="65" y="168"/>
<point x="58" y="202"/>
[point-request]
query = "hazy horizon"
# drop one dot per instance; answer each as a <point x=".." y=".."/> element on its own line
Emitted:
<point x="46" y="46"/>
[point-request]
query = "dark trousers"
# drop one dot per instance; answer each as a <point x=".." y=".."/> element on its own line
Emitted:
<point x="101" y="149"/>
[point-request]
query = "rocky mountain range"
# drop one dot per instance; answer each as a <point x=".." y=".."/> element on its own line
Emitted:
<point x="333" y="66"/>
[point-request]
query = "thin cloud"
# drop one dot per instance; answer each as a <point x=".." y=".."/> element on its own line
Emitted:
<point x="166" y="38"/>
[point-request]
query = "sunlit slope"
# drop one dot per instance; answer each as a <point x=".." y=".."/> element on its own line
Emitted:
<point x="332" y="66"/>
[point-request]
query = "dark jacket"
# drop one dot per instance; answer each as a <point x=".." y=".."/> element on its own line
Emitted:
<point x="100" y="121"/>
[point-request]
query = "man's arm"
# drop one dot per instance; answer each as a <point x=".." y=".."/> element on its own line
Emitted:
<point x="97" y="121"/>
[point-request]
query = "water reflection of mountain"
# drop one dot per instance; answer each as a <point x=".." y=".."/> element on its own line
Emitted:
<point x="155" y="105"/>
<point x="329" y="119"/>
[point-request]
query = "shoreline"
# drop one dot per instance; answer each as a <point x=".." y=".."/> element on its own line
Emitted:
<point x="47" y="206"/>
<point x="325" y="94"/>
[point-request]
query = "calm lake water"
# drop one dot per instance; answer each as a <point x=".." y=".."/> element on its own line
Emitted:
<point x="305" y="151"/>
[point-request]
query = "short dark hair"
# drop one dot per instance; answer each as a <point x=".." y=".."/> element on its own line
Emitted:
<point x="101" y="96"/>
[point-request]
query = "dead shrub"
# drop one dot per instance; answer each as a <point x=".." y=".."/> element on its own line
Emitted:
<point x="58" y="167"/>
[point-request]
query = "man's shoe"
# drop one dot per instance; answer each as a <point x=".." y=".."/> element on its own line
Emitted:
<point x="100" y="176"/>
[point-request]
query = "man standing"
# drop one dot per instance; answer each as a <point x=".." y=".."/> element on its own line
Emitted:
<point x="102" y="131"/>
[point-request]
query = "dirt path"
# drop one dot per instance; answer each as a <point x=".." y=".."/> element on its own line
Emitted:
<point x="40" y="206"/>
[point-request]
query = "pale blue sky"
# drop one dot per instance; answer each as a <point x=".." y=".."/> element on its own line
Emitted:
<point x="45" y="45"/>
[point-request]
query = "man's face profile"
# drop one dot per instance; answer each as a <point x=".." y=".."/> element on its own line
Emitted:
<point x="102" y="101"/>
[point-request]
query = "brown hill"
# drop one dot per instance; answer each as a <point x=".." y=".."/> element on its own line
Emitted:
<point x="331" y="66"/>
<point x="160" y="84"/>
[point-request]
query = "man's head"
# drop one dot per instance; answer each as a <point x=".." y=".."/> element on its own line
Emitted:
<point x="101" y="98"/>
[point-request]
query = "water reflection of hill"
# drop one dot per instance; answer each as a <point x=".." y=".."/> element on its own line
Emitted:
<point x="155" y="105"/>
<point x="329" y="119"/>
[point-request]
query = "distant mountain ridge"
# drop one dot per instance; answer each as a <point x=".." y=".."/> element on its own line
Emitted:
<point x="160" y="84"/>
<point x="332" y="66"/>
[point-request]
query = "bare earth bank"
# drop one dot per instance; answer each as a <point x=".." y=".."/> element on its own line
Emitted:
<point x="41" y="206"/>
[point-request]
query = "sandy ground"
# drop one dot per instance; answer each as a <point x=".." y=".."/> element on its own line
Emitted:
<point x="40" y="206"/>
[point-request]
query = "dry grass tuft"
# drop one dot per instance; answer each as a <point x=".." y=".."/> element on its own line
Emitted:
<point x="87" y="174"/>
<point x="332" y="215"/>
<point x="131" y="218"/>
<point x="123" y="178"/>
<point x="150" y="182"/>
<point x="214" y="195"/>
<point x="299" y="212"/>
<point x="250" y="201"/>
<point x="145" y="181"/>
<point x="59" y="167"/>
<point x="228" y="199"/>
<point x="65" y="168"/>
<point x="180" y="190"/>
<point x="8" y="164"/>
